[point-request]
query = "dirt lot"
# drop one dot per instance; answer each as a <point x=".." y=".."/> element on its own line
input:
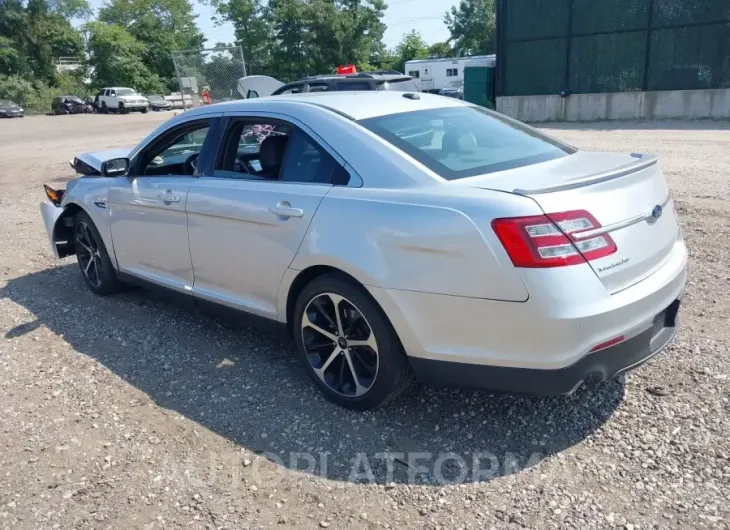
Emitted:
<point x="130" y="412"/>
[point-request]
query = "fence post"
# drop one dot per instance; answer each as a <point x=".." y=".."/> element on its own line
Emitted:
<point x="569" y="45"/>
<point x="649" y="29"/>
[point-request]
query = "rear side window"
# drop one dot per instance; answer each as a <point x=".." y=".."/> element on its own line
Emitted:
<point x="400" y="85"/>
<point x="459" y="142"/>
<point x="307" y="162"/>
<point x="353" y="85"/>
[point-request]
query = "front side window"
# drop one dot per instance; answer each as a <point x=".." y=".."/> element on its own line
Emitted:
<point x="459" y="142"/>
<point x="178" y="154"/>
<point x="319" y="87"/>
<point x="296" y="89"/>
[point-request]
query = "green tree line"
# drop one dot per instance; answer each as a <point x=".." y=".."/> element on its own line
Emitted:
<point x="130" y="42"/>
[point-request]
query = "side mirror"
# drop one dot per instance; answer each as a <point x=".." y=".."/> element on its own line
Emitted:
<point x="116" y="167"/>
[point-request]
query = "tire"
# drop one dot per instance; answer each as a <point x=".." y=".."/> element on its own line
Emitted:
<point x="122" y="109"/>
<point x="383" y="372"/>
<point x="104" y="108"/>
<point x="100" y="276"/>
<point x="145" y="110"/>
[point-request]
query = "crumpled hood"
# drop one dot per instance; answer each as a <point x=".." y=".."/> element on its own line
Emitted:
<point x="90" y="163"/>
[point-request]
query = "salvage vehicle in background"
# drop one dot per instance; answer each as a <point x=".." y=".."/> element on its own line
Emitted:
<point x="493" y="256"/>
<point x="158" y="103"/>
<point x="258" y="86"/>
<point x="455" y="89"/>
<point x="70" y="105"/>
<point x="10" y="109"/>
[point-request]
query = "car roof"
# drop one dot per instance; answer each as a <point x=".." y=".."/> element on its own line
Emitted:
<point x="358" y="105"/>
<point x="379" y="76"/>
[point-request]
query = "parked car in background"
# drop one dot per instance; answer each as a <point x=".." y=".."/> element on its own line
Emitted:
<point x="454" y="90"/>
<point x="10" y="109"/>
<point x="260" y="86"/>
<point x="70" y="105"/>
<point x="493" y="256"/>
<point x="122" y="100"/>
<point x="158" y="103"/>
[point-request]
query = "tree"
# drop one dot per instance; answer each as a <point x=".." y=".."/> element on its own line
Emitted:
<point x="253" y="30"/>
<point x="35" y="33"/>
<point x="412" y="46"/>
<point x="160" y="27"/>
<point x="440" y="50"/>
<point x="114" y="54"/>
<point x="291" y="38"/>
<point x="473" y="27"/>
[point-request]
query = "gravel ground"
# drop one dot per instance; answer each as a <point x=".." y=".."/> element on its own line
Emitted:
<point x="131" y="412"/>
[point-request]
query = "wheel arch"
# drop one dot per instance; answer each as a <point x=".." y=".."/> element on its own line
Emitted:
<point x="63" y="230"/>
<point x="308" y="275"/>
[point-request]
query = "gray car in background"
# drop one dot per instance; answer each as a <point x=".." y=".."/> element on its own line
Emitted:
<point x="395" y="236"/>
<point x="10" y="109"/>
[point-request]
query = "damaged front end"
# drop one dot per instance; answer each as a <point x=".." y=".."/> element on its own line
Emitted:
<point x="58" y="222"/>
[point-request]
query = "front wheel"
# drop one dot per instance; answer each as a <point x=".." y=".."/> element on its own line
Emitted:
<point x="94" y="262"/>
<point x="347" y="345"/>
<point x="145" y="110"/>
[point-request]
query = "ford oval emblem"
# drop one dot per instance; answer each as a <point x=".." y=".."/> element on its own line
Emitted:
<point x="656" y="212"/>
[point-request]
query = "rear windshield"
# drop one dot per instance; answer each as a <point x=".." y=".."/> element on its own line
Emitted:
<point x="459" y="142"/>
<point x="399" y="85"/>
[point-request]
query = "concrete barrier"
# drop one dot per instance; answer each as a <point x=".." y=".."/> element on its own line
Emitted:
<point x="693" y="104"/>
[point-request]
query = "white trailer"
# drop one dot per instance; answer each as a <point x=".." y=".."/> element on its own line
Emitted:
<point x="434" y="74"/>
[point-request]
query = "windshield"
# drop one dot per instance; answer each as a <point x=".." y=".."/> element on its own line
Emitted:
<point x="399" y="85"/>
<point x="459" y="142"/>
<point x="155" y="98"/>
<point x="6" y="102"/>
<point x="456" y="84"/>
<point x="126" y="92"/>
<point x="74" y="99"/>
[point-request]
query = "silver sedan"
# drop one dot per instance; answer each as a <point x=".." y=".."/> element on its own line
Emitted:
<point x="396" y="236"/>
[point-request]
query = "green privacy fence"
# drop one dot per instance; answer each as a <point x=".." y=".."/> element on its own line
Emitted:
<point x="589" y="46"/>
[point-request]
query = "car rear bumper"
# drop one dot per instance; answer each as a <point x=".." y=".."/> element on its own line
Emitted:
<point x="543" y="345"/>
<point x="592" y="369"/>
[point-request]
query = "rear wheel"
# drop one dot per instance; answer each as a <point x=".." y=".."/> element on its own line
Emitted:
<point x="347" y="345"/>
<point x="104" y="108"/>
<point x="94" y="262"/>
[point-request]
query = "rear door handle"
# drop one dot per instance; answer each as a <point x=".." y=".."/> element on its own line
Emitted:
<point x="169" y="197"/>
<point x="284" y="209"/>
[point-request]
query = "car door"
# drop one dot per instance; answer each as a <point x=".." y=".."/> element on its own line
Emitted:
<point x="147" y="206"/>
<point x="111" y="99"/>
<point x="247" y="219"/>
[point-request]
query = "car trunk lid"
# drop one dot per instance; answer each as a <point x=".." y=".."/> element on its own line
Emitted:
<point x="626" y="194"/>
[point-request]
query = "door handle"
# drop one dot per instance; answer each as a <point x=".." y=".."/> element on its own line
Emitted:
<point x="284" y="209"/>
<point x="169" y="197"/>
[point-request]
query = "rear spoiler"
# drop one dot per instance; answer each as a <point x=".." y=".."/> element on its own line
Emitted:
<point x="643" y="161"/>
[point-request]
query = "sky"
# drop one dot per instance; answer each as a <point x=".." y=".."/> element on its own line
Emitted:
<point x="402" y="16"/>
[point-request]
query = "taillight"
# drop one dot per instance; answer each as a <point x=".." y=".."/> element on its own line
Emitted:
<point x="550" y="240"/>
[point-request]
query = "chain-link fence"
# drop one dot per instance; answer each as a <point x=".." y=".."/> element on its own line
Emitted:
<point x="590" y="46"/>
<point x="208" y="76"/>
